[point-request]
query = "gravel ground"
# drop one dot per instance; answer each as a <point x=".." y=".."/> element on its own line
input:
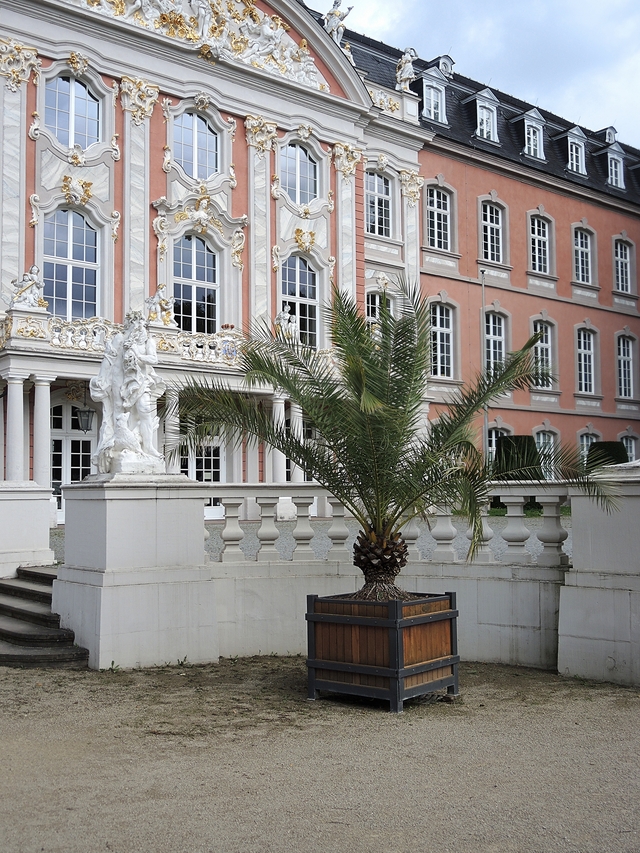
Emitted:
<point x="321" y="542"/>
<point x="232" y="757"/>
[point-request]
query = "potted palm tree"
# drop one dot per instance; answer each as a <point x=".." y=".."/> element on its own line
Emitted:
<point x="373" y="448"/>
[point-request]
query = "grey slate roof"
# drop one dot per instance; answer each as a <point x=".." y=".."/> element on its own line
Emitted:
<point x="378" y="61"/>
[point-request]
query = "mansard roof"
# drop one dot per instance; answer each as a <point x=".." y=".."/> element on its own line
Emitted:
<point x="377" y="62"/>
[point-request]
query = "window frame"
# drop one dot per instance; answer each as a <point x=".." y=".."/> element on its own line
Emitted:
<point x="443" y="336"/>
<point x="194" y="283"/>
<point x="615" y="163"/>
<point x="484" y="111"/>
<point x="487" y="234"/>
<point x="623" y="240"/>
<point x="297" y="300"/>
<point x="378" y="197"/>
<point x="536" y="240"/>
<point x="539" y="132"/>
<point x="576" y="164"/>
<point x="72" y="263"/>
<point x="630" y="359"/>
<point x="547" y="347"/>
<point x="632" y="439"/>
<point x="440" y="102"/>
<point x="586" y="362"/>
<point x="490" y="361"/>
<point x="196" y="114"/>
<point x="434" y="212"/>
<point x="312" y="157"/>
<point x="583" y="446"/>
<point x="583" y="228"/>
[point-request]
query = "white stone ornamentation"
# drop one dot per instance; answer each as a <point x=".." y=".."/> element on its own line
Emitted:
<point x="18" y="62"/>
<point x="161" y="230"/>
<point x="275" y="258"/>
<point x="346" y="158"/>
<point x="34" y="201"/>
<point x="166" y="109"/>
<point x="305" y="131"/>
<point x="76" y="191"/>
<point x="202" y="101"/>
<point x="34" y="128"/>
<point x="166" y="159"/>
<point x="200" y="214"/>
<point x="128" y="388"/>
<point x="412" y="184"/>
<point x="28" y="292"/>
<point x="232" y="128"/>
<point x="233" y="181"/>
<point x="384" y="101"/>
<point x="405" y="73"/>
<point x="76" y="156"/>
<point x="334" y="21"/>
<point x="261" y="134"/>
<point x="160" y="307"/>
<point x="237" y="247"/>
<point x="276" y="189"/>
<point x="332" y="270"/>
<point x="115" y="224"/>
<point x="115" y="148"/>
<point x="138" y="97"/>
<point x="78" y="63"/>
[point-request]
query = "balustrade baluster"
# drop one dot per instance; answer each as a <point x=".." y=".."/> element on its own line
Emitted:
<point x="484" y="554"/>
<point x="516" y="533"/>
<point x="232" y="534"/>
<point x="338" y="533"/>
<point x="553" y="533"/>
<point x="444" y="532"/>
<point x="303" y="532"/>
<point x="268" y="532"/>
<point x="410" y="534"/>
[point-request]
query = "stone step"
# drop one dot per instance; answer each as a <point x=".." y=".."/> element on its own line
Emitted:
<point x="28" y="589"/>
<point x="14" y="630"/>
<point x="29" y="611"/>
<point x="39" y="574"/>
<point x="65" y="657"/>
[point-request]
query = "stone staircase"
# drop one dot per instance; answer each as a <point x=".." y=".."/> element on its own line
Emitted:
<point x="30" y="634"/>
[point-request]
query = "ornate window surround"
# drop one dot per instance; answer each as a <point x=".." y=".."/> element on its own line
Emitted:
<point x="485" y="101"/>
<point x="533" y="119"/>
<point x="323" y="201"/>
<point x="433" y="78"/>
<point x="99" y="89"/>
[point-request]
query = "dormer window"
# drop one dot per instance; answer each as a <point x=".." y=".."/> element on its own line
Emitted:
<point x="533" y="145"/>
<point x="576" y="157"/>
<point x="487" y="124"/>
<point x="616" y="172"/>
<point x="433" y="99"/>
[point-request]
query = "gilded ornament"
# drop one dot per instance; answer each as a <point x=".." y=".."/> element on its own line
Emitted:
<point x="76" y="155"/>
<point x="161" y="229"/>
<point x="200" y="215"/>
<point x="18" y="62"/>
<point x="202" y="101"/>
<point x="138" y="97"/>
<point x="78" y="63"/>
<point x="76" y="191"/>
<point x="384" y="101"/>
<point x="31" y="328"/>
<point x="261" y="134"/>
<point x="305" y="240"/>
<point x="346" y="158"/>
<point x="276" y="189"/>
<point x="6" y="326"/>
<point x="412" y="184"/>
<point x="237" y="247"/>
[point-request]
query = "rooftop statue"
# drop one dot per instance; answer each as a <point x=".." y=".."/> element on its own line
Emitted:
<point x="334" y="21"/>
<point x="128" y="388"/>
<point x="404" y="70"/>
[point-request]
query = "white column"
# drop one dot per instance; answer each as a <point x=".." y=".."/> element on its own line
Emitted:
<point x="278" y="460"/>
<point x="172" y="432"/>
<point x="295" y="414"/>
<point x="15" y="427"/>
<point x="42" y="431"/>
<point x="2" y="437"/>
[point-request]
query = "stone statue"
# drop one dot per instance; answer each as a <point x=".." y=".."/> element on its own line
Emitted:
<point x="128" y="388"/>
<point x="160" y="307"/>
<point x="404" y="70"/>
<point x="286" y="323"/>
<point x="29" y="291"/>
<point x="334" y="21"/>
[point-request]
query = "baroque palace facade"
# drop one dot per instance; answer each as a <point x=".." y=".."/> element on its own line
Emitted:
<point x="216" y="162"/>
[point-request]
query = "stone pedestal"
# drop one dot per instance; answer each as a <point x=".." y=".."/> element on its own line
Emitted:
<point x="599" y="625"/>
<point x="135" y="586"/>
<point x="24" y="526"/>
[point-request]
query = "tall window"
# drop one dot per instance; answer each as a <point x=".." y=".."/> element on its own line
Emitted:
<point x="374" y="302"/>
<point x="545" y="444"/>
<point x="585" y="361"/>
<point x="622" y="261"/>
<point x="625" y="367"/>
<point x="195" y="145"/>
<point x="433" y="103"/>
<point x="300" y="293"/>
<point x="441" y="341"/>
<point x="533" y="146"/>
<point x="378" y="204"/>
<point x="630" y="445"/>
<point x="615" y="172"/>
<point x="495" y="344"/>
<point x="492" y="441"/>
<point x="539" y="236"/>
<point x="438" y="219"/>
<point x="195" y="285"/>
<point x="487" y="123"/>
<point x="576" y="157"/>
<point x="582" y="256"/>
<point x="542" y="352"/>
<point x="491" y="233"/>
<point x="298" y="174"/>
<point x="586" y="440"/>
<point x="71" y="112"/>
<point x="70" y="265"/>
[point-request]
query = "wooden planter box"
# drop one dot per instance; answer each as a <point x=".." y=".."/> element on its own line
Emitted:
<point x="392" y="650"/>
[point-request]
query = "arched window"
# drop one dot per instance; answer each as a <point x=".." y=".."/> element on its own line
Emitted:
<point x="493" y="435"/>
<point x="582" y="251"/>
<point x="70" y="266"/>
<point x="543" y="352"/>
<point x="300" y="294"/>
<point x="441" y="340"/>
<point x="298" y="174"/>
<point x="630" y="442"/>
<point x="585" y="441"/>
<point x="622" y="256"/>
<point x="438" y="219"/>
<point x="539" y="244"/>
<point x="374" y="302"/>
<point x="495" y="340"/>
<point x="377" y="204"/>
<point x="195" y="285"/>
<point x="71" y="112"/>
<point x="195" y="146"/>
<point x="545" y="444"/>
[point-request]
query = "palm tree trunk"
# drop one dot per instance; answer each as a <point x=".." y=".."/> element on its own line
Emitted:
<point x="380" y="559"/>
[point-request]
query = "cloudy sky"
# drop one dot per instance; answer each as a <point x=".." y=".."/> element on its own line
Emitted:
<point x="577" y="58"/>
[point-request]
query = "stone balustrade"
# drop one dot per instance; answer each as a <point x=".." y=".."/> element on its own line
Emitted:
<point x="515" y="533"/>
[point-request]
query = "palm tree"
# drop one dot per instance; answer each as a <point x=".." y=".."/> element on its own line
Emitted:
<point x="371" y="445"/>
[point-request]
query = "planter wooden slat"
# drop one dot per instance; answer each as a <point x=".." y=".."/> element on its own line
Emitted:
<point x="392" y="650"/>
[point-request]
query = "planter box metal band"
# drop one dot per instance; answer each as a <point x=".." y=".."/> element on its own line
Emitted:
<point x="392" y="650"/>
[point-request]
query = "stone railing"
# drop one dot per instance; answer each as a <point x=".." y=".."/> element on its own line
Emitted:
<point x="515" y="532"/>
